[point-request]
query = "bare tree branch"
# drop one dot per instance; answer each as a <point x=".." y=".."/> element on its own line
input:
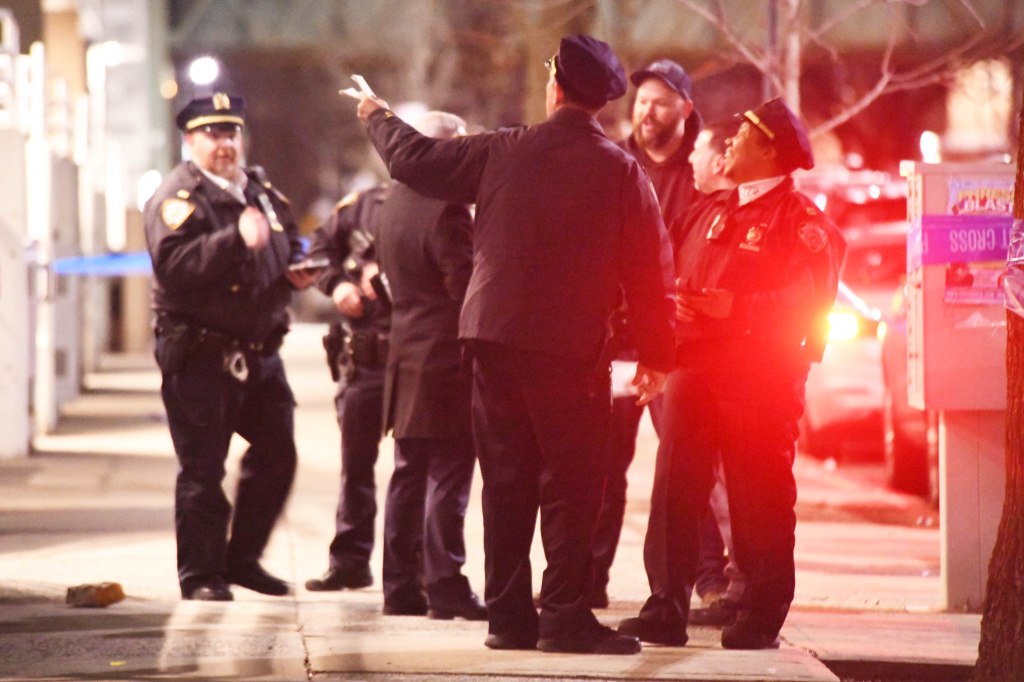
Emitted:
<point x="864" y="100"/>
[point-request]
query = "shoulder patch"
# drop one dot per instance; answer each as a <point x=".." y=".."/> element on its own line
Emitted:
<point x="175" y="211"/>
<point x="813" y="236"/>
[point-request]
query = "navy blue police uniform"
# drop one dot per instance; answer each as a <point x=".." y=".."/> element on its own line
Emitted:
<point x="565" y="220"/>
<point x="220" y="319"/>
<point x="738" y="391"/>
<point x="357" y="350"/>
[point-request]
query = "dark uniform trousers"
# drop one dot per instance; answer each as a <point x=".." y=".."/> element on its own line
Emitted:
<point x="728" y="398"/>
<point x="622" y="432"/>
<point x="426" y="510"/>
<point x="360" y="405"/>
<point x="205" y="406"/>
<point x="540" y="424"/>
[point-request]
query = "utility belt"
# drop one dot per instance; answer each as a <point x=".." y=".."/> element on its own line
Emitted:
<point x="370" y="349"/>
<point x="347" y="350"/>
<point x="178" y="340"/>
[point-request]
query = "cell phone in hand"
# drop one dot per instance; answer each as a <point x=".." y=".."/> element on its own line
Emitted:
<point x="309" y="265"/>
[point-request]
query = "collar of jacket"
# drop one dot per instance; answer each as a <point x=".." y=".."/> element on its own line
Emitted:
<point x="575" y="118"/>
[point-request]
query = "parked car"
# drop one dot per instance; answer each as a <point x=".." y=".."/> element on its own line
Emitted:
<point x="910" y="435"/>
<point x="846" y="391"/>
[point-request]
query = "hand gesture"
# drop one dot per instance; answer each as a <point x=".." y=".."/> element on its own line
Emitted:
<point x="255" y="230"/>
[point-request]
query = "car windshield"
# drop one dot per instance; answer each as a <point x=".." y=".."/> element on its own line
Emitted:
<point x="874" y="266"/>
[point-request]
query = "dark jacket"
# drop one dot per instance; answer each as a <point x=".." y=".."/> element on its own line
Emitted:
<point x="202" y="271"/>
<point x="347" y="241"/>
<point x="564" y="219"/>
<point x="673" y="177"/>
<point x="425" y="249"/>
<point x="779" y="255"/>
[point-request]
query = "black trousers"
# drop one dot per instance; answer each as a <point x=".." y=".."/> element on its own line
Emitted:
<point x="622" y="431"/>
<point x="540" y="424"/>
<point x="748" y="412"/>
<point x="205" y="407"/>
<point x="360" y="407"/>
<point x="425" y="511"/>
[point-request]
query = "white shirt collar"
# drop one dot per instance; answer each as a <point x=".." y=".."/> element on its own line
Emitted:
<point x="233" y="188"/>
<point x="749" y="191"/>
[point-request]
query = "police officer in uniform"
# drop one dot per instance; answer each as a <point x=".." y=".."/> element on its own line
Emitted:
<point x="757" y="274"/>
<point x="221" y="239"/>
<point x="565" y="219"/>
<point x="357" y="350"/>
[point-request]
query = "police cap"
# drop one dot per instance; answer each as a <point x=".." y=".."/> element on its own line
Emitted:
<point x="588" y="69"/>
<point x="673" y="75"/>
<point x="213" y="109"/>
<point x="785" y="131"/>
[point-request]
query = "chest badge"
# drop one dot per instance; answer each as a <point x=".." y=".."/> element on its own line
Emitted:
<point x="753" y="239"/>
<point x="717" y="226"/>
<point x="175" y="211"/>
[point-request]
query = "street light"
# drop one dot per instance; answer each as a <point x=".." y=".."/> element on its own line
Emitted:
<point x="203" y="70"/>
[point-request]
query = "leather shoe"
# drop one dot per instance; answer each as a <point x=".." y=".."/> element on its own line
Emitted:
<point x="467" y="607"/>
<point x="655" y="632"/>
<point x="595" y="640"/>
<point x="407" y="606"/>
<point x="746" y="635"/>
<point x="721" y="612"/>
<point x="496" y="640"/>
<point x="213" y="590"/>
<point x="256" y="579"/>
<point x="340" y="579"/>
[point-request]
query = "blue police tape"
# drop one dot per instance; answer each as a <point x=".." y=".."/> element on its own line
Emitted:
<point x="115" y="264"/>
<point x="105" y="265"/>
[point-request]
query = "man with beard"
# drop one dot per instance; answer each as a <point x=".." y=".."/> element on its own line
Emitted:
<point x="223" y="243"/>
<point x="665" y="125"/>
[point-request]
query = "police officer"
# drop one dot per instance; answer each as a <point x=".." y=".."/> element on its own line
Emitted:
<point x="564" y="220"/>
<point x="357" y="350"/>
<point x="757" y="274"/>
<point x="221" y="239"/>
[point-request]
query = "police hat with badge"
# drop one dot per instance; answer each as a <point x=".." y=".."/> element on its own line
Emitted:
<point x="213" y="111"/>
<point x="588" y="70"/>
<point x="784" y="131"/>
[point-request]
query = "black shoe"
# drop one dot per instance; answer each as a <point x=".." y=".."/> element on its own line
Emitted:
<point x="655" y="632"/>
<point x="467" y="607"/>
<point x="722" y="612"/>
<point x="341" y="579"/>
<point x="509" y="641"/>
<point x="598" y="599"/>
<point x="744" y="634"/>
<point x="256" y="579"/>
<point x="595" y="640"/>
<point x="406" y="606"/>
<point x="210" y="590"/>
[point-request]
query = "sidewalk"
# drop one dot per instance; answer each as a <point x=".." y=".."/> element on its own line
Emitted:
<point x="95" y="503"/>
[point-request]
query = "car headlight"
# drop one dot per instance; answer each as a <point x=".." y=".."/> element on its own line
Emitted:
<point x="843" y="326"/>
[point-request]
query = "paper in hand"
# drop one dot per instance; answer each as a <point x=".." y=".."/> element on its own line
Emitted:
<point x="364" y="89"/>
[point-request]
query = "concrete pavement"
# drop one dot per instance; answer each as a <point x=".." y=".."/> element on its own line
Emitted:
<point x="95" y="503"/>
